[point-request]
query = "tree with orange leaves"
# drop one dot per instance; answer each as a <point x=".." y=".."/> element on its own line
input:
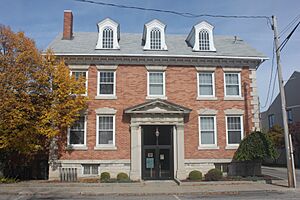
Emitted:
<point x="38" y="97"/>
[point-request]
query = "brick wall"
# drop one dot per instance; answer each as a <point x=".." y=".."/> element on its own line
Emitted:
<point x="181" y="88"/>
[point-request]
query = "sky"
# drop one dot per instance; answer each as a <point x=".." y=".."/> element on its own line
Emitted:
<point x="42" y="20"/>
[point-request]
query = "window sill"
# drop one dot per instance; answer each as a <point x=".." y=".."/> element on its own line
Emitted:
<point x="234" y="147"/>
<point x="207" y="98"/>
<point x="208" y="147"/>
<point x="81" y="148"/>
<point x="106" y="97"/>
<point x="105" y="148"/>
<point x="233" y="98"/>
<point x="157" y="97"/>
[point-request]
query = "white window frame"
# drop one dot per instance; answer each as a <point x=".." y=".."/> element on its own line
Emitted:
<point x="201" y="40"/>
<point x="98" y="84"/>
<point x="208" y="146"/>
<point x="91" y="174"/>
<point x="154" y="39"/>
<point x="97" y="132"/>
<point x="239" y="79"/>
<point x="234" y="146"/>
<point x="86" y="78"/>
<point x="85" y="136"/>
<point x="213" y="84"/>
<point x="108" y="40"/>
<point x="148" y="85"/>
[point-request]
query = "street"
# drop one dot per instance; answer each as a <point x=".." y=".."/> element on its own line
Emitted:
<point x="244" y="195"/>
<point x="280" y="173"/>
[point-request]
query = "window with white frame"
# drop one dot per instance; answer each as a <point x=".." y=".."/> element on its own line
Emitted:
<point x="234" y="125"/>
<point x="156" y="83"/>
<point x="206" y="84"/>
<point x="107" y="38"/>
<point x="81" y="73"/>
<point x="77" y="132"/>
<point x="207" y="131"/>
<point x="155" y="39"/>
<point x="90" y="169"/>
<point x="105" y="130"/>
<point x="203" y="40"/>
<point x="106" y="82"/>
<point x="232" y="84"/>
<point x="271" y="119"/>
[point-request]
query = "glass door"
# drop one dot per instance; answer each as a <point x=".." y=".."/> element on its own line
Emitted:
<point x="157" y="152"/>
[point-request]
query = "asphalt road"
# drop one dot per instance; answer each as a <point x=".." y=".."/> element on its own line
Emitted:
<point x="281" y="173"/>
<point x="250" y="195"/>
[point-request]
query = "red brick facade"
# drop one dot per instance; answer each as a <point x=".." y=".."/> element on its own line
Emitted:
<point x="181" y="89"/>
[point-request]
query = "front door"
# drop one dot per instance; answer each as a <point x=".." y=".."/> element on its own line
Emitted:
<point x="157" y="152"/>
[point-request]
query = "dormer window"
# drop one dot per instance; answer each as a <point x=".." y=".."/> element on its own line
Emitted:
<point x="109" y="34"/>
<point x="201" y="37"/>
<point x="108" y="38"/>
<point x="154" y="36"/>
<point x="203" y="40"/>
<point x="155" y="39"/>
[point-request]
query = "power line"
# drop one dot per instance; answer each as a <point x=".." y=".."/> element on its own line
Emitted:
<point x="182" y="14"/>
<point x="271" y="77"/>
<point x="289" y="25"/>
<point x="282" y="45"/>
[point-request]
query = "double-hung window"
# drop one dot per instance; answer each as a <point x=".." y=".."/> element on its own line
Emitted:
<point x="108" y="38"/>
<point x="155" y="39"/>
<point x="106" y="130"/>
<point x="206" y="86"/>
<point x="77" y="132"/>
<point x="107" y="83"/>
<point x="81" y="74"/>
<point x="234" y="126"/>
<point x="232" y="84"/>
<point x="207" y="131"/>
<point x="203" y="40"/>
<point x="156" y="84"/>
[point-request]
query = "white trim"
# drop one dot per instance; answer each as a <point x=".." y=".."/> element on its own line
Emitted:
<point x="112" y="96"/>
<point x="86" y="78"/>
<point x="234" y="146"/>
<point x="107" y="67"/>
<point x="78" y="67"/>
<point x="159" y="55"/>
<point x="105" y="146"/>
<point x="155" y="24"/>
<point x="155" y="68"/>
<point x="213" y="85"/>
<point x="239" y="79"/>
<point x="208" y="146"/>
<point x="108" y="23"/>
<point x="78" y="146"/>
<point x="149" y="96"/>
<point x="91" y="174"/>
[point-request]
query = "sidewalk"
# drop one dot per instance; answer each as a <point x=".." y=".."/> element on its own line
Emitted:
<point x="139" y="188"/>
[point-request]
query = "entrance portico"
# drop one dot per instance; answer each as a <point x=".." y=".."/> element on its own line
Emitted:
<point x="157" y="113"/>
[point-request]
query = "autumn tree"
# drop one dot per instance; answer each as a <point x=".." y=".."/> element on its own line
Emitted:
<point x="38" y="97"/>
<point x="276" y="134"/>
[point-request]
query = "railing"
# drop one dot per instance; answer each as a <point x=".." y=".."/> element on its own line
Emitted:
<point x="68" y="174"/>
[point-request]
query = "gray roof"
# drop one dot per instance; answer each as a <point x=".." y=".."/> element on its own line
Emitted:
<point x="84" y="43"/>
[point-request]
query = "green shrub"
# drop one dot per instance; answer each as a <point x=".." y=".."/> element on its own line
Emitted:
<point x="195" y="175"/>
<point x="122" y="177"/>
<point x="214" y="175"/>
<point x="256" y="146"/>
<point x="104" y="177"/>
<point x="8" y="180"/>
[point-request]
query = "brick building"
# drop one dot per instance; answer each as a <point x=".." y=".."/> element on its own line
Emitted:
<point x="159" y="105"/>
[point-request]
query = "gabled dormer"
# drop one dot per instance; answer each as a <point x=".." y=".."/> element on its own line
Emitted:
<point x="108" y="34"/>
<point x="201" y="37"/>
<point x="154" y="36"/>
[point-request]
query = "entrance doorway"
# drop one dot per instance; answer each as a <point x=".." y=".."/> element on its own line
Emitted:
<point x="157" y="152"/>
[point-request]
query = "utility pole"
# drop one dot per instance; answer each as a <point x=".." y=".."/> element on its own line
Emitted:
<point x="287" y="136"/>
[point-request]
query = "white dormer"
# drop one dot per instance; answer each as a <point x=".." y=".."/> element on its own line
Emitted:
<point x="109" y="34"/>
<point x="201" y="37"/>
<point x="154" y="36"/>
